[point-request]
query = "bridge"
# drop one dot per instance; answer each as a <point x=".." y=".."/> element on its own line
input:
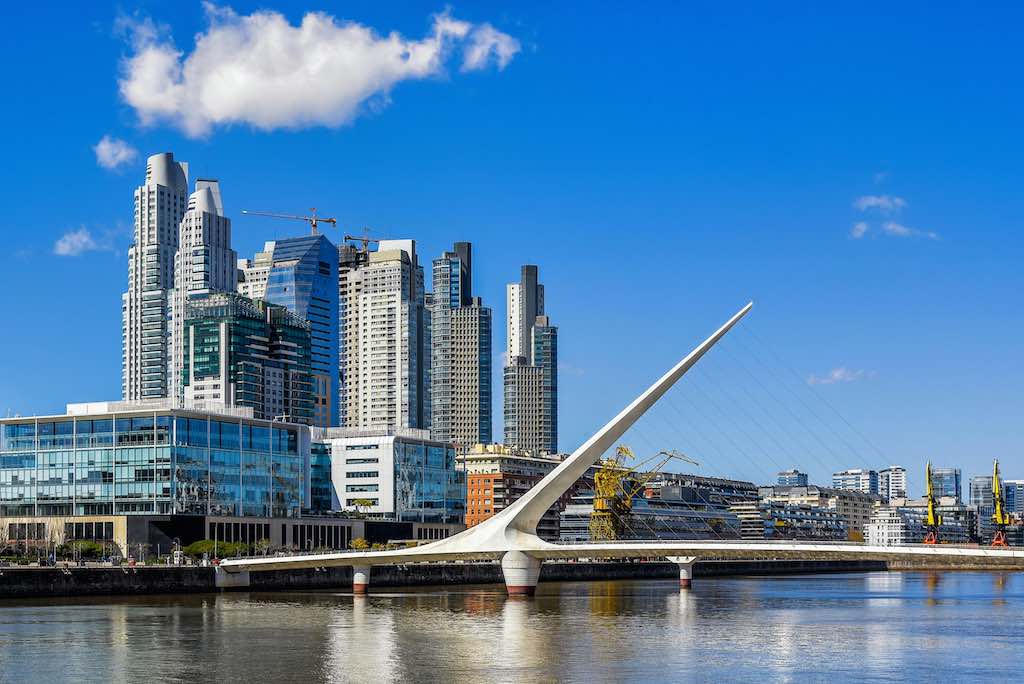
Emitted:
<point x="511" y="536"/>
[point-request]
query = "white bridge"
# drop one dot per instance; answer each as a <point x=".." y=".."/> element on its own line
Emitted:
<point x="511" y="535"/>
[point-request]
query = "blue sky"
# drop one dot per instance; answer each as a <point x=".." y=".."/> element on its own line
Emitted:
<point x="662" y="165"/>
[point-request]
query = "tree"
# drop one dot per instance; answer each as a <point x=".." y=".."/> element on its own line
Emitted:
<point x="359" y="544"/>
<point x="360" y="504"/>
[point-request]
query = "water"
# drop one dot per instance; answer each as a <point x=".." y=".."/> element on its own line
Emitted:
<point x="871" y="626"/>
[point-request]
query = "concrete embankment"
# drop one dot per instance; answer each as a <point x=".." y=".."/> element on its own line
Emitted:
<point x="39" y="582"/>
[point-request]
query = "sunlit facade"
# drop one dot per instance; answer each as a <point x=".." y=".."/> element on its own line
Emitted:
<point x="116" y="459"/>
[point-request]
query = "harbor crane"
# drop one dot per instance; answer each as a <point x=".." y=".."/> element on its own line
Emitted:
<point x="615" y="485"/>
<point x="1000" y="517"/>
<point x="313" y="220"/>
<point x="934" y="520"/>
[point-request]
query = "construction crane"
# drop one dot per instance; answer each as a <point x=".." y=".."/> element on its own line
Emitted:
<point x="934" y="520"/>
<point x="365" y="239"/>
<point x="1000" y="517"/>
<point x="615" y="485"/>
<point x="313" y="220"/>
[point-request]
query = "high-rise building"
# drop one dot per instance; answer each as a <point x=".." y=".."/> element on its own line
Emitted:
<point x="792" y="478"/>
<point x="160" y="203"/>
<point x="1014" y="495"/>
<point x="460" y="338"/>
<point x="385" y="358"/>
<point x="856" y="479"/>
<point x="301" y="274"/>
<point x="946" y="482"/>
<point x="981" y="494"/>
<point x="892" y="482"/>
<point x="531" y="368"/>
<point x="241" y="352"/>
<point x="203" y="264"/>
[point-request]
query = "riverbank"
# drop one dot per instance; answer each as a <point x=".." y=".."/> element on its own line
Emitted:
<point x="43" y="582"/>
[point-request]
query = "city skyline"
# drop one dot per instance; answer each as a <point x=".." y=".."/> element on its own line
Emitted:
<point x="879" y="319"/>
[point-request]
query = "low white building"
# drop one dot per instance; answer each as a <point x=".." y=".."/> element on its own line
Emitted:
<point x="903" y="525"/>
<point x="394" y="473"/>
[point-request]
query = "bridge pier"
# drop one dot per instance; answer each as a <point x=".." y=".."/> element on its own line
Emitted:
<point x="222" y="579"/>
<point x="521" y="571"/>
<point x="685" y="564"/>
<point x="360" y="579"/>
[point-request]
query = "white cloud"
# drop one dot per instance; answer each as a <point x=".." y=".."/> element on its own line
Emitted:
<point x="860" y="228"/>
<point x="260" y="70"/>
<point x="78" y="242"/>
<point x="113" y="152"/>
<point x="886" y="204"/>
<point x="75" y="242"/>
<point x="900" y="230"/>
<point x="484" y="42"/>
<point x="841" y="374"/>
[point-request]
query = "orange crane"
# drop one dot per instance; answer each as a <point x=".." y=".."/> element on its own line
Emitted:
<point x="313" y="220"/>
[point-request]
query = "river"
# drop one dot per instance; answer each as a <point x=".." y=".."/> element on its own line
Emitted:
<point x="870" y="626"/>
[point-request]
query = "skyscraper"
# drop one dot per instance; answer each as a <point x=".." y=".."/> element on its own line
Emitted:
<point x="301" y="274"/>
<point x="531" y="368"/>
<point x="203" y="264"/>
<point x="946" y="482"/>
<point x="460" y="370"/>
<point x="160" y="203"/>
<point x="892" y="482"/>
<point x="385" y="357"/>
<point x="241" y="352"/>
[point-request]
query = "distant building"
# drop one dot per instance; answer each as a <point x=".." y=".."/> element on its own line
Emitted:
<point x="892" y="482"/>
<point x="946" y="482"/>
<point x="856" y="479"/>
<point x="903" y="521"/>
<point x="385" y="358"/>
<point x="852" y="506"/>
<point x="240" y="352"/>
<point x="395" y="473"/>
<point x="204" y="264"/>
<point x="1014" y="495"/>
<point x="460" y="348"/>
<point x="497" y="475"/>
<point x="673" y="506"/>
<point x="981" y="494"/>
<point x="792" y="478"/>
<point x="160" y="203"/>
<point x="767" y="519"/>
<point x="531" y="368"/>
<point x="301" y="274"/>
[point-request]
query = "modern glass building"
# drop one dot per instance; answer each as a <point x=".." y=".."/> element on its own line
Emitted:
<point x="301" y="274"/>
<point x="114" y="458"/>
<point x="791" y="478"/>
<point x="240" y="352"/>
<point x="946" y="482"/>
<point x="395" y="473"/>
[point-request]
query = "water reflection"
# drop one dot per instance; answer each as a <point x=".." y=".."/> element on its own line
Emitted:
<point x="880" y="626"/>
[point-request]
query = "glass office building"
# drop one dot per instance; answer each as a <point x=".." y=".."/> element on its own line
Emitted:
<point x="947" y="482"/>
<point x="301" y="274"/>
<point x="395" y="473"/>
<point x="110" y="459"/>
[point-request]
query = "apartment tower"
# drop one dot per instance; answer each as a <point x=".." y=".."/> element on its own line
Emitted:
<point x="531" y="368"/>
<point x="160" y="204"/>
<point x="460" y="368"/>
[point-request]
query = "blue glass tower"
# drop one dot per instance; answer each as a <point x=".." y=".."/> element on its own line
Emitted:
<point x="304" y="279"/>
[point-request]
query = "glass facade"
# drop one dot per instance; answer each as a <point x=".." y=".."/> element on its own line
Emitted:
<point x="428" y="488"/>
<point x="304" y="280"/>
<point x="155" y="463"/>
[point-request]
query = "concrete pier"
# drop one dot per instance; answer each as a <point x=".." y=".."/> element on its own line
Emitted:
<point x="521" y="572"/>
<point x="360" y="579"/>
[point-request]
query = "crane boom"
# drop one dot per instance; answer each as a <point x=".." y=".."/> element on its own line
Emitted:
<point x="313" y="220"/>
<point x="934" y="519"/>
<point x="999" y="515"/>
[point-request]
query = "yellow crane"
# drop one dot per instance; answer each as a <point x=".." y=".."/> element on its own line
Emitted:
<point x="615" y="485"/>
<point x="1000" y="517"/>
<point x="313" y="220"/>
<point x="934" y="520"/>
